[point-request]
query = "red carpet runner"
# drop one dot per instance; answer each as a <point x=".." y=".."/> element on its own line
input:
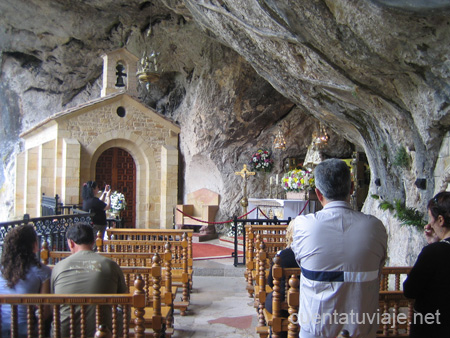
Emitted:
<point x="205" y="251"/>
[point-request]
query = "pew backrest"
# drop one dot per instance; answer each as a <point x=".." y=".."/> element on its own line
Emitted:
<point x="124" y="303"/>
<point x="273" y="236"/>
<point x="397" y="314"/>
<point x="132" y="265"/>
<point x="395" y="274"/>
<point x="155" y="236"/>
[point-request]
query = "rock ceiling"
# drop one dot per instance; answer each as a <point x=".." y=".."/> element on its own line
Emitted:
<point x="237" y="70"/>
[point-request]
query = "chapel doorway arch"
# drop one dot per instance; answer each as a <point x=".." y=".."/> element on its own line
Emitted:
<point x="116" y="167"/>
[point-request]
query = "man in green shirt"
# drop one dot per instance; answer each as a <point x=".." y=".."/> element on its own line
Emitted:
<point x="85" y="272"/>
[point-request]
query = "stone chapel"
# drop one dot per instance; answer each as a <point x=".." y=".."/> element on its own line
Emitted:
<point x="114" y="140"/>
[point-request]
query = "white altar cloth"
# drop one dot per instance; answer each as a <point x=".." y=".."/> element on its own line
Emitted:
<point x="282" y="209"/>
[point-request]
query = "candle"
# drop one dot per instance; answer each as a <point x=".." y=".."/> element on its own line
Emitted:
<point x="271" y="180"/>
<point x="276" y="179"/>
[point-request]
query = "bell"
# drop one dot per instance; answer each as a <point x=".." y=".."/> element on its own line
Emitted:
<point x="120" y="74"/>
<point x="119" y="82"/>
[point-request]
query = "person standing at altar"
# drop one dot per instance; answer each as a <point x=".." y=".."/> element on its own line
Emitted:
<point x="341" y="252"/>
<point x="97" y="205"/>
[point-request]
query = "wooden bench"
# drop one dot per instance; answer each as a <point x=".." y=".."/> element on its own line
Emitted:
<point x="181" y="274"/>
<point x="149" y="266"/>
<point x="397" y="273"/>
<point x="181" y="244"/>
<point x="391" y="302"/>
<point x="126" y="302"/>
<point x="273" y="236"/>
<point x="396" y="313"/>
<point x="274" y="322"/>
<point x="261" y="288"/>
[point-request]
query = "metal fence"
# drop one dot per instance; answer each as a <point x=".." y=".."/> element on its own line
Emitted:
<point x="51" y="229"/>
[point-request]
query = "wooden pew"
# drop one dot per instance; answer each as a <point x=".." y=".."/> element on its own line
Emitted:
<point x="154" y="239"/>
<point x="391" y="302"/>
<point x="261" y="288"/>
<point x="127" y="302"/>
<point x="135" y="259"/>
<point x="273" y="236"/>
<point x="274" y="320"/>
<point x="396" y="313"/>
<point x="393" y="272"/>
<point x="147" y="265"/>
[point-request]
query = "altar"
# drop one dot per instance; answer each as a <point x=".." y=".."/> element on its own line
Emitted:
<point x="282" y="209"/>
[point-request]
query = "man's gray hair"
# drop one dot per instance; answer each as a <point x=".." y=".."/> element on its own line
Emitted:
<point x="332" y="178"/>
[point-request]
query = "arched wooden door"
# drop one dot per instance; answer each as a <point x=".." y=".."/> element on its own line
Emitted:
<point x="116" y="167"/>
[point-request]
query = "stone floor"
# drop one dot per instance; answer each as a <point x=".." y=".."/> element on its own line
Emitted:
<point x="220" y="306"/>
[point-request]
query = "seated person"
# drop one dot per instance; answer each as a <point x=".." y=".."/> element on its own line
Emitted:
<point x="21" y="272"/>
<point x="85" y="272"/>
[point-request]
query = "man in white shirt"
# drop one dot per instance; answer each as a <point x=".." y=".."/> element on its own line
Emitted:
<point x="341" y="252"/>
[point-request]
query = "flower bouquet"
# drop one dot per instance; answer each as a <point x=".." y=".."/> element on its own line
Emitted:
<point x="261" y="161"/>
<point x="118" y="202"/>
<point x="298" y="180"/>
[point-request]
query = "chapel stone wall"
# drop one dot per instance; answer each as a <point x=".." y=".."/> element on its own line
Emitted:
<point x="143" y="136"/>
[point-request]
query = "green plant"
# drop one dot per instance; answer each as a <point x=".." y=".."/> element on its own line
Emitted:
<point x="385" y="205"/>
<point x="401" y="158"/>
<point x="406" y="215"/>
<point x="409" y="216"/>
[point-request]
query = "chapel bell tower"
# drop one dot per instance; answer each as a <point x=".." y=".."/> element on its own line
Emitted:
<point x="119" y="72"/>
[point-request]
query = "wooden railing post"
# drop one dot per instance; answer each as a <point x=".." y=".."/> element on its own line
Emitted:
<point x="261" y="296"/>
<point x="277" y="272"/>
<point x="139" y="308"/>
<point x="156" y="274"/>
<point x="186" y="282"/>
<point x="293" y="299"/>
<point x="44" y="253"/>
<point x="250" y="264"/>
<point x="99" y="241"/>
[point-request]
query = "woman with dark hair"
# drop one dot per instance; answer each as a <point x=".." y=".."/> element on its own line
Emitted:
<point x="96" y="205"/>
<point x="429" y="280"/>
<point x="21" y="272"/>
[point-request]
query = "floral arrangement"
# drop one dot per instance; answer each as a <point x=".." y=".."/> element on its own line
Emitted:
<point x="230" y="231"/>
<point x="261" y="161"/>
<point x="118" y="202"/>
<point x="298" y="180"/>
